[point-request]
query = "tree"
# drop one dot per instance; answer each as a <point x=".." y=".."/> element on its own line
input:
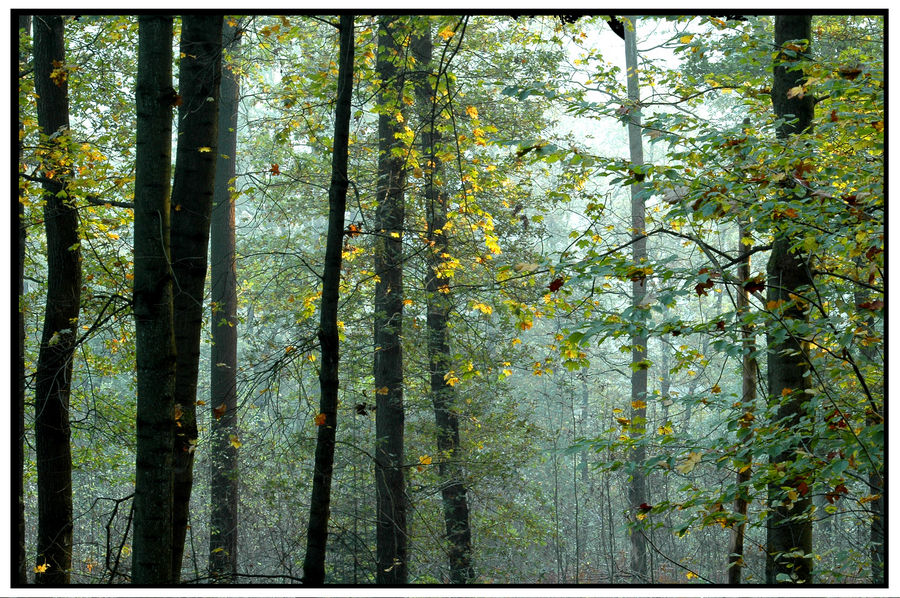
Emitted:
<point x="54" y="369"/>
<point x="192" y="190"/>
<point x="391" y="556"/>
<point x="223" y="519"/>
<point x="453" y="490"/>
<point x="153" y="307"/>
<point x="789" y="538"/>
<point x="326" y="419"/>
<point x="637" y="492"/>
<point x="21" y="575"/>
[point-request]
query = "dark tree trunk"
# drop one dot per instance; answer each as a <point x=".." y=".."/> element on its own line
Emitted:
<point x="748" y="399"/>
<point x="54" y="368"/>
<point x="21" y="574"/>
<point x="637" y="490"/>
<point x="155" y="344"/>
<point x="453" y="490"/>
<point x="391" y="541"/>
<point x="223" y="519"/>
<point x="788" y="529"/>
<point x="320" y="501"/>
<point x="192" y="191"/>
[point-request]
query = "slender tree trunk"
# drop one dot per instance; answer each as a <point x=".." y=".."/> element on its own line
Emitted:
<point x="21" y="574"/>
<point x="637" y="490"/>
<point x="748" y="399"/>
<point x="155" y="344"/>
<point x="320" y="502"/>
<point x="789" y="528"/>
<point x="192" y="191"/>
<point x="390" y="485"/>
<point x="54" y="368"/>
<point x="443" y="398"/>
<point x="223" y="519"/>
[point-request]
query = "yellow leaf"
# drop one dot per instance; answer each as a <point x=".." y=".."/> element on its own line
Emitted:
<point x="233" y="440"/>
<point x="472" y="111"/>
<point x="112" y="235"/>
<point x="204" y="150"/>
<point x="796" y="92"/>
<point x="664" y="430"/>
<point x="383" y="390"/>
<point x="425" y="460"/>
<point x="690" y="575"/>
<point x="686" y="39"/>
<point x="399" y="118"/>
<point x="446" y="33"/>
<point x="638" y="404"/>
<point x="716" y="389"/>
<point x="623" y="421"/>
<point x="792" y="494"/>
<point x="319" y="419"/>
<point x="687" y="466"/>
<point x="42" y="568"/>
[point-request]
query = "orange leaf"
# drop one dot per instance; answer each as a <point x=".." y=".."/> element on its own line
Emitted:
<point x="319" y="419"/>
<point x="274" y="169"/>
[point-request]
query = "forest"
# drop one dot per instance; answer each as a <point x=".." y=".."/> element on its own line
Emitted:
<point x="355" y="299"/>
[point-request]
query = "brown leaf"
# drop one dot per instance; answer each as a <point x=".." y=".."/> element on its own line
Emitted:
<point x="219" y="411"/>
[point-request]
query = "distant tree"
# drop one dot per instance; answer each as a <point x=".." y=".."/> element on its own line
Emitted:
<point x="53" y="377"/>
<point x="153" y="308"/>
<point x="192" y="191"/>
<point x="443" y="398"/>
<point x="223" y="521"/>
<point x="326" y="419"/>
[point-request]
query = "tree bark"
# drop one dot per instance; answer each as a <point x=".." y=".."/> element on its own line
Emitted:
<point x="54" y="369"/>
<point x="439" y="302"/>
<point x="223" y="524"/>
<point x="390" y="486"/>
<point x="192" y="190"/>
<point x="153" y="311"/>
<point x="21" y="574"/>
<point x="320" y="501"/>
<point x="789" y="527"/>
<point x="637" y="490"/>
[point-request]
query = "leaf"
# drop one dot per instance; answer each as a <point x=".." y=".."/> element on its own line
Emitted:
<point x="233" y="441"/>
<point x="204" y="150"/>
<point x="687" y="466"/>
<point x="796" y="92"/>
<point x="275" y="170"/>
<point x="219" y="411"/>
<point x="686" y="39"/>
<point x="179" y="411"/>
<point x="556" y="284"/>
<point x="638" y="404"/>
<point x="472" y="111"/>
<point x="42" y="568"/>
<point x="690" y="575"/>
<point x="716" y="389"/>
<point x="319" y="419"/>
<point x="446" y="33"/>
<point x="383" y="390"/>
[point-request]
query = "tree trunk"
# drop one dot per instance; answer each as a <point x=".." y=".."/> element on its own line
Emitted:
<point x="637" y="490"/>
<point x="788" y="529"/>
<point x="192" y="191"/>
<point x="54" y="368"/>
<point x="390" y="486"/>
<point x="320" y="502"/>
<point x="155" y="344"/>
<point x="748" y="399"/>
<point x="21" y="575"/>
<point x="223" y="519"/>
<point x="443" y="398"/>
